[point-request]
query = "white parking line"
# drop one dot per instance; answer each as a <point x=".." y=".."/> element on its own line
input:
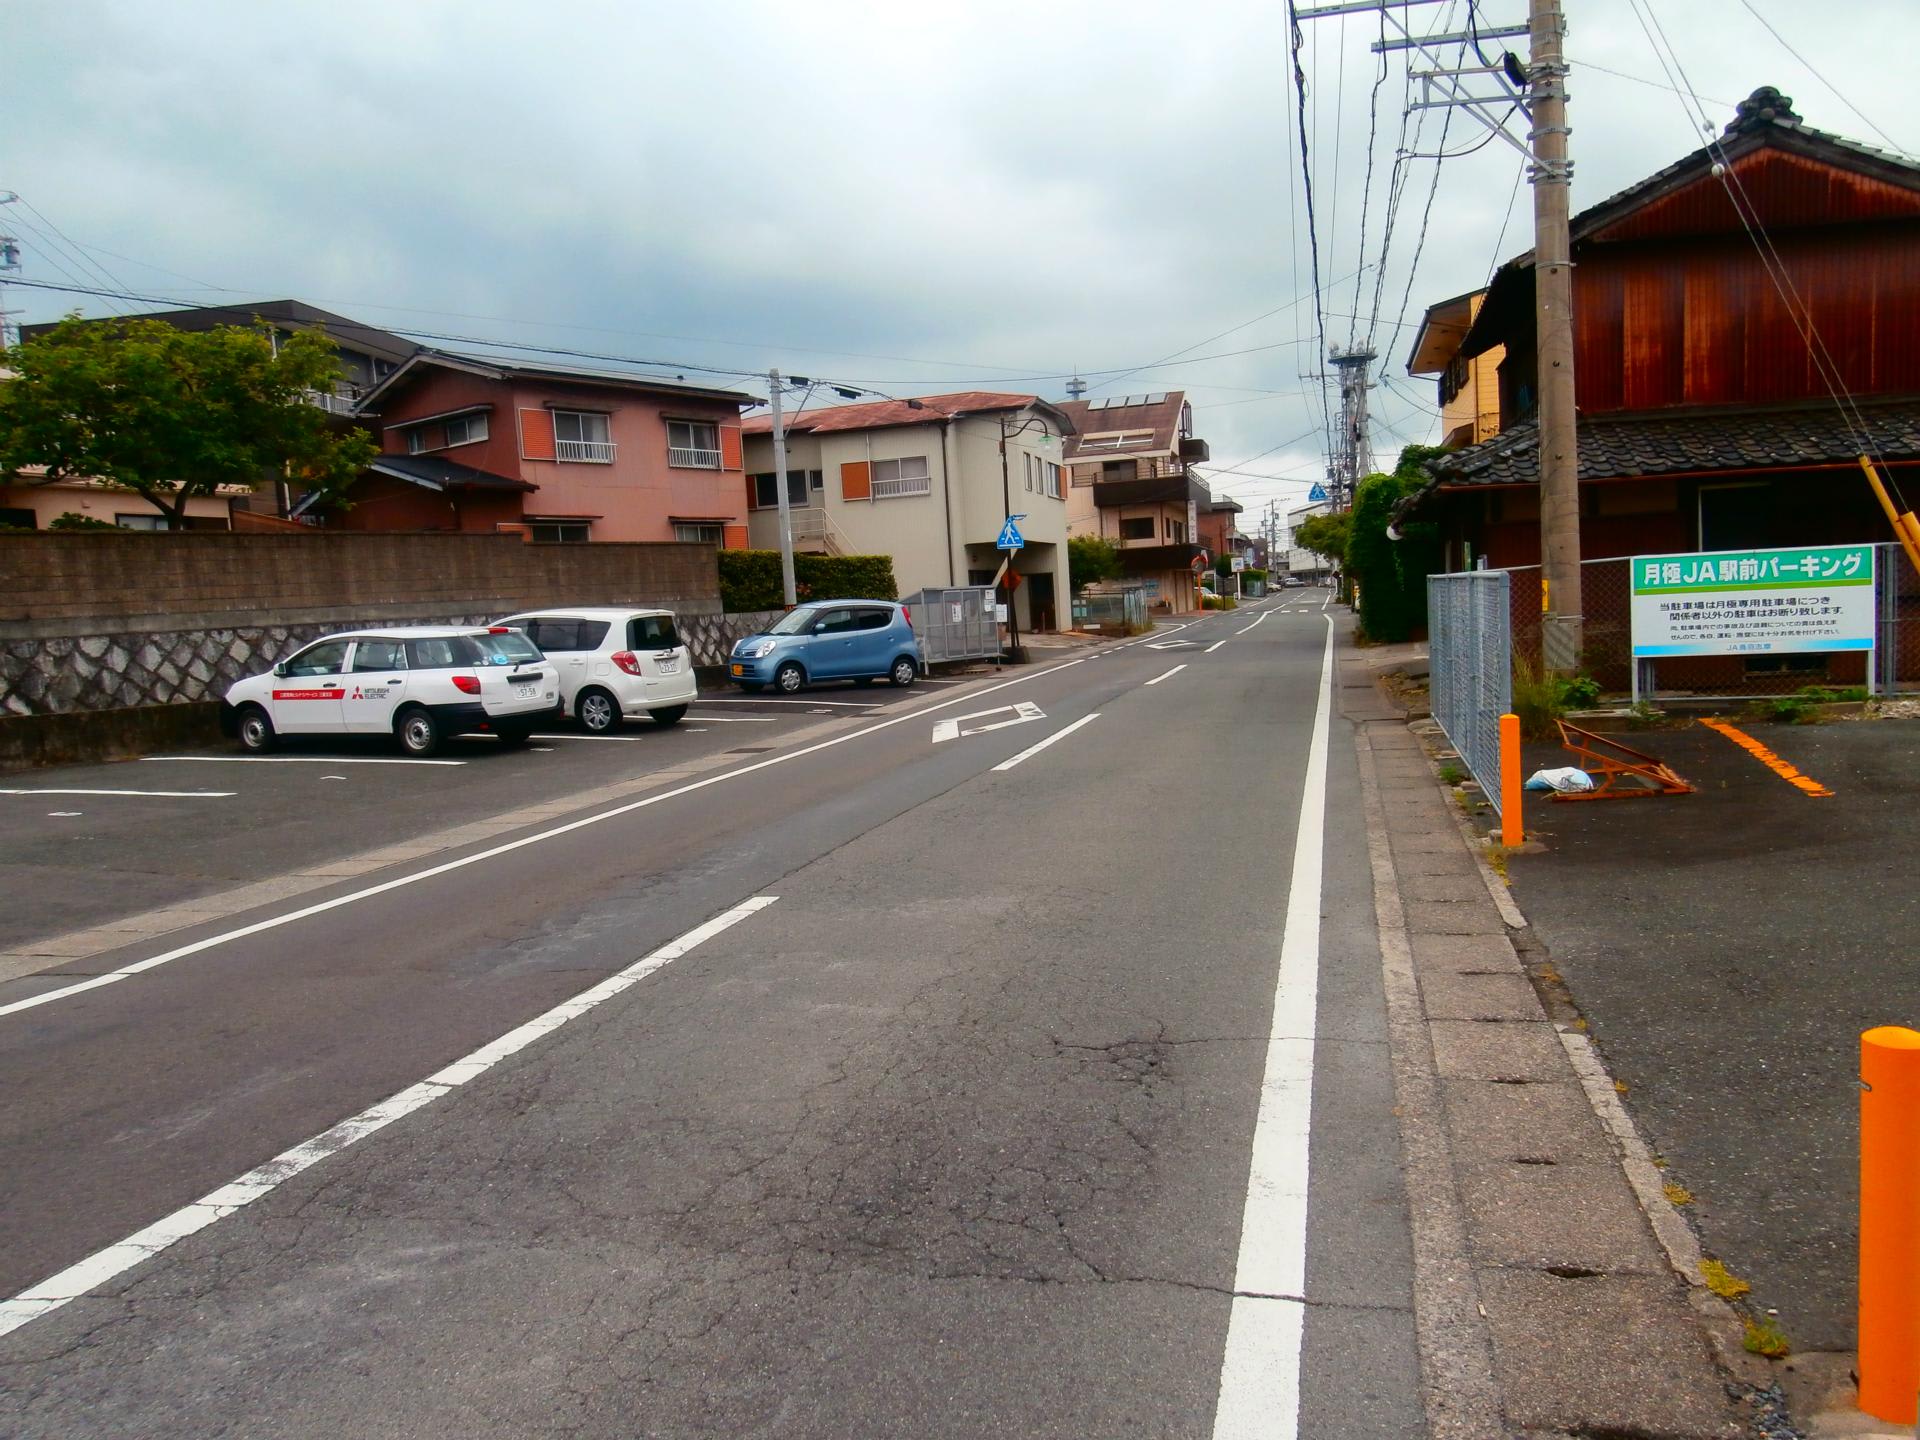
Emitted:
<point x="623" y="739"/>
<point x="1060" y="734"/>
<point x="735" y="719"/>
<point x="104" y="1265"/>
<point x="156" y="794"/>
<point x="1260" y="1371"/>
<point x="140" y="967"/>
<point x="1158" y="678"/>
<point x="778" y="700"/>
<point x="297" y="760"/>
<point x="1213" y="647"/>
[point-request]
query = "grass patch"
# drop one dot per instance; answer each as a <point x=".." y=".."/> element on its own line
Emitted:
<point x="1676" y="1193"/>
<point x="1722" y="1281"/>
<point x="1540" y="699"/>
<point x="1764" y="1337"/>
<point x="1451" y="774"/>
<point x="1497" y="862"/>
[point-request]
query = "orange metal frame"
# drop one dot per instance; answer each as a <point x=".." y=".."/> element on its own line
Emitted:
<point x="1611" y="763"/>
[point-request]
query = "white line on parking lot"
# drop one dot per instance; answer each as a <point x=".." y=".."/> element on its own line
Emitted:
<point x="274" y="922"/>
<point x="1169" y="675"/>
<point x="104" y="1265"/>
<point x="299" y="760"/>
<point x="156" y="794"/>
<point x="778" y="700"/>
<point x="624" y="739"/>
<point x="1060" y="734"/>
<point x="1213" y="647"/>
<point x="734" y="719"/>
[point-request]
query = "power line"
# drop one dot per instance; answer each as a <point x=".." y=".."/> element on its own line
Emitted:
<point x="1891" y="143"/>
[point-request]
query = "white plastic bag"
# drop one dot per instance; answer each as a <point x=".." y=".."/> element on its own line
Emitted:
<point x="1568" y="780"/>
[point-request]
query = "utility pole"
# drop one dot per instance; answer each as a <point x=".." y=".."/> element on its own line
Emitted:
<point x="1561" y="621"/>
<point x="1354" y="459"/>
<point x="9" y="267"/>
<point x="780" y="484"/>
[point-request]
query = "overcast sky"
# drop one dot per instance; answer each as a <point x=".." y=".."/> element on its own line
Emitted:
<point x="991" y="195"/>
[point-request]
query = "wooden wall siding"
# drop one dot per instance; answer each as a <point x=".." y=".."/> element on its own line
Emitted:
<point x="1703" y="324"/>
<point x="1785" y="190"/>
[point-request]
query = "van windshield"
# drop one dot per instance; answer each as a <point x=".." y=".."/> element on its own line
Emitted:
<point x="795" y="622"/>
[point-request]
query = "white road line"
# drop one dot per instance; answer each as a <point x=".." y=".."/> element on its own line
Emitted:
<point x="1256" y="624"/>
<point x="1155" y="681"/>
<point x="1060" y="734"/>
<point x="1213" y="647"/>
<point x="1260" y="1372"/>
<point x="734" y="719"/>
<point x="139" y="967"/>
<point x="770" y="700"/>
<point x="157" y="794"/>
<point x="297" y="760"/>
<point x="623" y="739"/>
<point x="105" y="1265"/>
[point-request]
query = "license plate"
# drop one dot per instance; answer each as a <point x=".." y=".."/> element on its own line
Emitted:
<point x="671" y="665"/>
<point x="739" y="669"/>
<point x="526" y="692"/>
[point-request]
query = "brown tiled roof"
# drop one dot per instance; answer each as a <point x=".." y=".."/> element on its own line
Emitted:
<point x="878" y="414"/>
<point x="1162" y="418"/>
<point x="1671" y="442"/>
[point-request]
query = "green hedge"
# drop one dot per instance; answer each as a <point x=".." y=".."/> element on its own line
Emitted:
<point x="750" y="579"/>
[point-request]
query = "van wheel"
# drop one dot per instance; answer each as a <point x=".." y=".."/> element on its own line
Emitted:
<point x="512" y="737"/>
<point x="256" y="730"/>
<point x="904" y="672"/>
<point x="668" y="714"/>
<point x="419" y="732"/>
<point x="789" y="678"/>
<point x="597" y="711"/>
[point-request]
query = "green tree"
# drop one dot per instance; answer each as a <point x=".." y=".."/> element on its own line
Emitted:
<point x="1324" y="535"/>
<point x="1392" y="574"/>
<point x="170" y="415"/>
<point x="1090" y="560"/>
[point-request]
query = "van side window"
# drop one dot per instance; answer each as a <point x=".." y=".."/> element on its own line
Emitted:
<point x="435" y="654"/>
<point x="378" y="655"/>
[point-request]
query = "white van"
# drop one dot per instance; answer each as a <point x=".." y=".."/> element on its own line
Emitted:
<point x="612" y="663"/>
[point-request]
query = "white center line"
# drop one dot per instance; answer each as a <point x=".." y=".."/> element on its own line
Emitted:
<point x="296" y="760"/>
<point x="290" y="917"/>
<point x="1061" y="734"/>
<point x="1260" y="1371"/>
<point x="1213" y="647"/>
<point x="105" y="1265"/>
<point x="1158" y="678"/>
<point x="157" y="794"/>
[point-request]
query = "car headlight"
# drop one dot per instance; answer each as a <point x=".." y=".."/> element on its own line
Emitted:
<point x="755" y="649"/>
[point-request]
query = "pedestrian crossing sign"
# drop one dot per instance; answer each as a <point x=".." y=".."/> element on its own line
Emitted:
<point x="1010" y="538"/>
<point x="1317" y="493"/>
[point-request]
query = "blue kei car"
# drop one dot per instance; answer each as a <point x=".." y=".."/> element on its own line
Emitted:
<point x="860" y="640"/>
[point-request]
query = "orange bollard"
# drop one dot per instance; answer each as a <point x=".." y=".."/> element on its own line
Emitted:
<point x="1890" y="1223"/>
<point x="1511" y="831"/>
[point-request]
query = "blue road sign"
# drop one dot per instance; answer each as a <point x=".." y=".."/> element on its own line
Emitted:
<point x="1317" y="493"/>
<point x="1010" y="536"/>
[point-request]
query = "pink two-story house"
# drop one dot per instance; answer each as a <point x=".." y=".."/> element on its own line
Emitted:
<point x="482" y="445"/>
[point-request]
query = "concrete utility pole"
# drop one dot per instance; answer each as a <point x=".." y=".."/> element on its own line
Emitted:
<point x="1561" y="620"/>
<point x="1354" y="460"/>
<point x="780" y="484"/>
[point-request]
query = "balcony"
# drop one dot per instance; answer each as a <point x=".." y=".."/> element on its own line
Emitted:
<point x="338" y="401"/>
<point x="586" y="452"/>
<point x="688" y="458"/>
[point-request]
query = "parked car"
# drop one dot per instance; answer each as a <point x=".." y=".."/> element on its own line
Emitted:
<point x="418" y="683"/>
<point x="613" y="663"/>
<point x="860" y="640"/>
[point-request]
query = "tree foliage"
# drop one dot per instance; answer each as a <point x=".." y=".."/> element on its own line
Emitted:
<point x="1324" y="535"/>
<point x="1091" y="559"/>
<point x="1392" y="574"/>
<point x="750" y="579"/>
<point x="170" y="414"/>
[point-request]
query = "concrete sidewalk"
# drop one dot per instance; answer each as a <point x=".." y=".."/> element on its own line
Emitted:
<point x="1555" y="1291"/>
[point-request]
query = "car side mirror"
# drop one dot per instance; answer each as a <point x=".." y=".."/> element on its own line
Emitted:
<point x="281" y="669"/>
<point x="820" y="628"/>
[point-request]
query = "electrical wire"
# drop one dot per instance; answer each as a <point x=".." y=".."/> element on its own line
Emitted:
<point x="1892" y="144"/>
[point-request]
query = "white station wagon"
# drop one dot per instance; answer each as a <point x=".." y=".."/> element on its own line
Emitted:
<point x="613" y="663"/>
<point x="418" y="683"/>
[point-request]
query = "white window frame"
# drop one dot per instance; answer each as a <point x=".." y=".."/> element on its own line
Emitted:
<point x="417" y="441"/>
<point x="583" y="451"/>
<point x="900" y="485"/>
<point x="693" y="455"/>
<point x="700" y="535"/>
<point x="473" y="429"/>
<point x="1050" y="479"/>
<point x="563" y="531"/>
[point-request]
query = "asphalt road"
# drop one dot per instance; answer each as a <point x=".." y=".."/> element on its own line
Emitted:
<point x="952" y="1094"/>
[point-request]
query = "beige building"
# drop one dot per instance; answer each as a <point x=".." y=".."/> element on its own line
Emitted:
<point x="36" y="507"/>
<point x="1131" y="483"/>
<point x="924" y="481"/>
<point x="1469" y="388"/>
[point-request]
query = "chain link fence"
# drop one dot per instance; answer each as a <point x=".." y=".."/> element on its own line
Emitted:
<point x="1470" y="666"/>
<point x="1606" y="598"/>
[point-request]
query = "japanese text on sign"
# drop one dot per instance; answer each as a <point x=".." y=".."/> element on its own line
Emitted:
<point x="1746" y="602"/>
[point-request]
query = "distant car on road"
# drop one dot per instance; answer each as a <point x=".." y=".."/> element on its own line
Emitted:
<point x="418" y="683"/>
<point x="859" y="640"/>
<point x="613" y="662"/>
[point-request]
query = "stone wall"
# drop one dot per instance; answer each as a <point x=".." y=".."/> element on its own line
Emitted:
<point x="111" y="621"/>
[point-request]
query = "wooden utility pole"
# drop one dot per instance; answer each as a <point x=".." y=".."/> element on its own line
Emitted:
<point x="1552" y="176"/>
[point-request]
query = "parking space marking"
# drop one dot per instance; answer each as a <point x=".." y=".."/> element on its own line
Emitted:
<point x="155" y="794"/>
<point x="623" y="739"/>
<point x="779" y="700"/>
<point x="1784" y="769"/>
<point x="1035" y="749"/>
<point x="736" y="719"/>
<point x="105" y="1265"/>
<point x="1169" y="675"/>
<point x="299" y="760"/>
<point x="321" y="907"/>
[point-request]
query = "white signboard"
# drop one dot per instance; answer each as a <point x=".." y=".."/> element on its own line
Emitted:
<point x="1754" y="602"/>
